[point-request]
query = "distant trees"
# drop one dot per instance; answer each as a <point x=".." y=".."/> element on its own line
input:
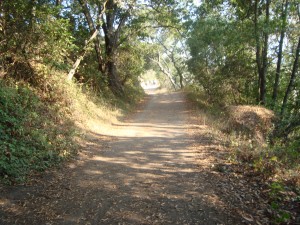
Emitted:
<point x="282" y="26"/>
<point x="262" y="47"/>
<point x="170" y="56"/>
<point x="292" y="80"/>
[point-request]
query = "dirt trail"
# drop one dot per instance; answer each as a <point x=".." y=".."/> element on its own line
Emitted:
<point x="146" y="170"/>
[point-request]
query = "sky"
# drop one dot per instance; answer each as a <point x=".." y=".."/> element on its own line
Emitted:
<point x="197" y="2"/>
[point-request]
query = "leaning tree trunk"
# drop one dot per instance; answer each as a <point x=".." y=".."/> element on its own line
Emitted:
<point x="81" y="56"/>
<point x="83" y="52"/>
<point x="93" y="29"/>
<point x="165" y="71"/>
<point x="292" y="80"/>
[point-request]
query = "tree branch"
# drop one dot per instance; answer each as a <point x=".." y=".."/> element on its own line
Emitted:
<point x="94" y="35"/>
<point x="167" y="73"/>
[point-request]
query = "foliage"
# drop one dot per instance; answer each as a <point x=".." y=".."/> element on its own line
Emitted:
<point x="131" y="62"/>
<point x="228" y="50"/>
<point x="38" y="122"/>
<point x="219" y="62"/>
<point x="228" y="41"/>
<point x="31" y="32"/>
<point x="40" y="40"/>
<point x="33" y="135"/>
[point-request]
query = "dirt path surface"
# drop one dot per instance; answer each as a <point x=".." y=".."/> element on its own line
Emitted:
<point x="147" y="170"/>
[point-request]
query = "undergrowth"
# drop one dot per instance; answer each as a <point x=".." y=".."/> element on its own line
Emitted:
<point x="275" y="165"/>
<point x="42" y="120"/>
<point x="34" y="135"/>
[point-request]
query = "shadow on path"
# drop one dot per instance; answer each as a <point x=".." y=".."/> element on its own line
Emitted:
<point x="144" y="172"/>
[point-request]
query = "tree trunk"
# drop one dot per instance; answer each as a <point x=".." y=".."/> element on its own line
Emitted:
<point x="278" y="68"/>
<point x="81" y="56"/>
<point x="92" y="38"/>
<point x="181" y="81"/>
<point x="179" y="71"/>
<point x="262" y="54"/>
<point x="111" y="68"/>
<point x="114" y="80"/>
<point x="58" y="2"/>
<point x="258" y="49"/>
<point x="111" y="35"/>
<point x="292" y="80"/>
<point x="180" y="76"/>
<point x="264" y="68"/>
<point x="92" y="29"/>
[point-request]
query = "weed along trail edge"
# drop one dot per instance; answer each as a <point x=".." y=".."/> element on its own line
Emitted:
<point x="146" y="170"/>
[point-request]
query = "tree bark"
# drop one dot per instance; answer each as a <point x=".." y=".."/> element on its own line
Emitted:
<point x="262" y="54"/>
<point x="58" y="2"/>
<point x="179" y="71"/>
<point x="82" y="54"/>
<point x="111" y="36"/>
<point x="264" y="68"/>
<point x="258" y="49"/>
<point x="292" y="80"/>
<point x="114" y="79"/>
<point x="279" y="60"/>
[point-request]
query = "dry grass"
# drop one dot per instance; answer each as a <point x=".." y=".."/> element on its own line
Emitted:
<point x="255" y="122"/>
<point x="83" y="106"/>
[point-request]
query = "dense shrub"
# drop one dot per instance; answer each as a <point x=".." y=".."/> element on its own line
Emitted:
<point x="33" y="135"/>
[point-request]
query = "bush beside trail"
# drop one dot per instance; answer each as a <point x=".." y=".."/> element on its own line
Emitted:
<point x="34" y="135"/>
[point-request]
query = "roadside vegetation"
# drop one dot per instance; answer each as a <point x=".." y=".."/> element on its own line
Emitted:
<point x="42" y="128"/>
<point x="246" y="131"/>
